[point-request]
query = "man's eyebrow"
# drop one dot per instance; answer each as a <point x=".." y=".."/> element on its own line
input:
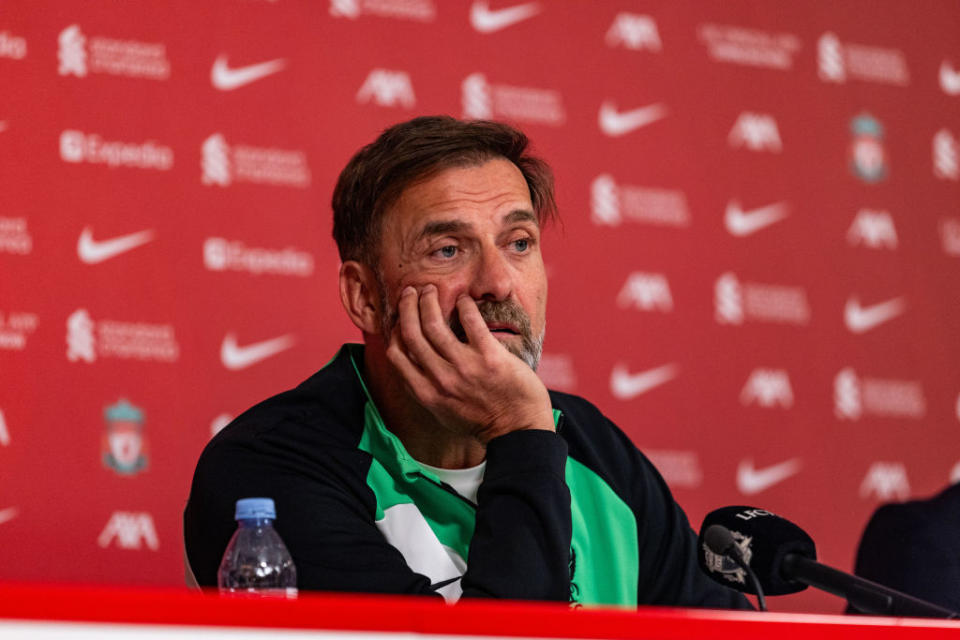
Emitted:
<point x="441" y="227"/>
<point x="521" y="215"/>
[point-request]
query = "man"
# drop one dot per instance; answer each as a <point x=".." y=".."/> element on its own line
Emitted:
<point x="432" y="460"/>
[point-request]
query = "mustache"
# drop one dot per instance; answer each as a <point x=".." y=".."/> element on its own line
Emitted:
<point x="495" y="312"/>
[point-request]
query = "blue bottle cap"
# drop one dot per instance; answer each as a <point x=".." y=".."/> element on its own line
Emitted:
<point x="255" y="508"/>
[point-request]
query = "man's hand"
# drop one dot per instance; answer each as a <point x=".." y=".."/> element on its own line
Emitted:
<point x="476" y="388"/>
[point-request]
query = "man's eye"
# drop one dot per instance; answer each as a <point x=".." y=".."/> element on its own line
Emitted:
<point x="522" y="244"/>
<point x="448" y="251"/>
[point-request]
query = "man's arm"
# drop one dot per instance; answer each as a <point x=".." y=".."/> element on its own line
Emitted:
<point x="668" y="572"/>
<point x="326" y="513"/>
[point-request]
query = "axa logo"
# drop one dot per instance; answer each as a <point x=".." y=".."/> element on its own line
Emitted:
<point x="129" y="530"/>
<point x="756" y="132"/>
<point x="949" y="78"/>
<point x="885" y="481"/>
<point x="483" y="19"/>
<point x="235" y="357"/>
<point x="12" y="46"/>
<point x="223" y="77"/>
<point x="768" y="388"/>
<point x="646" y="292"/>
<point x="873" y="229"/>
<point x="946" y="155"/>
<point x="387" y="88"/>
<point x="634" y="31"/>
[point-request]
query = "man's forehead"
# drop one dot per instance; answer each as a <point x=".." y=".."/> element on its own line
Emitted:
<point x="445" y="224"/>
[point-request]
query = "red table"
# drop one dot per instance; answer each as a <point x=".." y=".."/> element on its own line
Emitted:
<point x="35" y="611"/>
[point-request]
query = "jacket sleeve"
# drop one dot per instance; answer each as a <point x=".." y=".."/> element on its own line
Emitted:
<point x="521" y="543"/>
<point x="325" y="517"/>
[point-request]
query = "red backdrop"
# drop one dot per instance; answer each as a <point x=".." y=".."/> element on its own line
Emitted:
<point x="756" y="275"/>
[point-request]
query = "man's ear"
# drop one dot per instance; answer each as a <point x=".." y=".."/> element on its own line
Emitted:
<point x="360" y="295"/>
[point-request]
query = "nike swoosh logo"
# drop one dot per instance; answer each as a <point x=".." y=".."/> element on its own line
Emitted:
<point x="616" y="123"/>
<point x="625" y="385"/>
<point x="860" y="319"/>
<point x="949" y="79"/>
<point x="485" y="20"/>
<point x="8" y="514"/>
<point x="751" y="481"/>
<point x="224" y="78"/>
<point x="235" y="357"/>
<point x="744" y="223"/>
<point x="92" y="251"/>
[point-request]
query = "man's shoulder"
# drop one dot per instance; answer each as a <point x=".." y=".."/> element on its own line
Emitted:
<point x="583" y="423"/>
<point x="578" y="410"/>
<point x="598" y="443"/>
<point x="919" y="518"/>
<point x="325" y="409"/>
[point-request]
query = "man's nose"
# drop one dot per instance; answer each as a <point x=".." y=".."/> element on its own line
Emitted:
<point x="493" y="278"/>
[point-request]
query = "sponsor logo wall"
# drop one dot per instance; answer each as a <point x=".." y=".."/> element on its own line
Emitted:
<point x="756" y="276"/>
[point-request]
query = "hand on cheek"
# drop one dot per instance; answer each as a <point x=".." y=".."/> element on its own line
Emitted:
<point x="478" y="388"/>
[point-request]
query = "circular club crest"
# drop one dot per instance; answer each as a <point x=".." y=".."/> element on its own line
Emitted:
<point x="868" y="158"/>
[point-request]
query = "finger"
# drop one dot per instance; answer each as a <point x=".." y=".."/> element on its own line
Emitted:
<point x="411" y="374"/>
<point x="473" y="323"/>
<point x="411" y="333"/>
<point x="435" y="328"/>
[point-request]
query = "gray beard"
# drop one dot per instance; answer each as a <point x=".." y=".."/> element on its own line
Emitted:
<point x="529" y="350"/>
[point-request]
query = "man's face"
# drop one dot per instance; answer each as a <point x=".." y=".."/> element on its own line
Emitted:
<point x="470" y="230"/>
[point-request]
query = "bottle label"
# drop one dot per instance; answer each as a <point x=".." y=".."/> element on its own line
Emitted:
<point x="258" y="594"/>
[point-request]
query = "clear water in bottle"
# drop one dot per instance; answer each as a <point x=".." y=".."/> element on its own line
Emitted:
<point x="256" y="561"/>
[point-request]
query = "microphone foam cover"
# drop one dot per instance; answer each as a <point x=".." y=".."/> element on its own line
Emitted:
<point x="764" y="539"/>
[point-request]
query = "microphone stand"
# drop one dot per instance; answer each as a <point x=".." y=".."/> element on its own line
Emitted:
<point x="864" y="595"/>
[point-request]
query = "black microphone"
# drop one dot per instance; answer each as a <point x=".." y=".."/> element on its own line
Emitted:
<point x="784" y="558"/>
<point x="721" y="542"/>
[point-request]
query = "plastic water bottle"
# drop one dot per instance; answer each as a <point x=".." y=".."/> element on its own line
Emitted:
<point x="256" y="561"/>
